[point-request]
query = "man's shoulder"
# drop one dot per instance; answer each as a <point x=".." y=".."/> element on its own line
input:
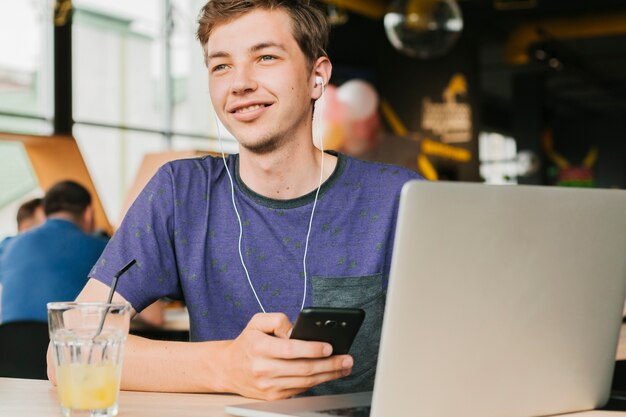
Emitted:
<point x="97" y="242"/>
<point x="4" y="242"/>
<point x="54" y="229"/>
<point x="379" y="173"/>
<point x="175" y="184"/>
<point x="17" y="242"/>
<point x="185" y="165"/>
<point x="189" y="170"/>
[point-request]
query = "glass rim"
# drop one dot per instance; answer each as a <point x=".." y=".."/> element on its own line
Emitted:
<point x="64" y="305"/>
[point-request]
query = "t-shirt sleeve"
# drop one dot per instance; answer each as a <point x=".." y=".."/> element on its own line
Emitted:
<point x="146" y="235"/>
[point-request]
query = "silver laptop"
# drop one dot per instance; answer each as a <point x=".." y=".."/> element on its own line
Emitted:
<point x="502" y="301"/>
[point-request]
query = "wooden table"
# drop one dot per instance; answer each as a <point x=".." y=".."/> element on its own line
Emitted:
<point x="37" y="398"/>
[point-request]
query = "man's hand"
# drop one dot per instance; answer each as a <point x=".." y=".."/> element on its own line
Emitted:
<point x="264" y="363"/>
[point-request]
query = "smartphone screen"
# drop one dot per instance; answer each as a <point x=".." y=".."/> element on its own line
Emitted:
<point x="337" y="326"/>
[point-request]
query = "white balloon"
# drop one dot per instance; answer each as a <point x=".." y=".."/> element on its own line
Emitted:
<point x="359" y="97"/>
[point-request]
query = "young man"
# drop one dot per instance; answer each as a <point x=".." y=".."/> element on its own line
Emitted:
<point x="245" y="273"/>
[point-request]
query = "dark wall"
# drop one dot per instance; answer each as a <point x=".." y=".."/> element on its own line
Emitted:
<point x="360" y="49"/>
<point x="406" y="81"/>
<point x="353" y="49"/>
<point x="574" y="135"/>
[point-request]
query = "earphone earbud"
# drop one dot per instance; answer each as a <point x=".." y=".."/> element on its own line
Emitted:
<point x="319" y="80"/>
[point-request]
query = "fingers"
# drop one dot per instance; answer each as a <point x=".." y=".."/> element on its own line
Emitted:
<point x="269" y="387"/>
<point x="293" y="349"/>
<point x="285" y="387"/>
<point x="307" y="382"/>
<point x="341" y="364"/>
<point x="282" y="347"/>
<point x="271" y="323"/>
<point x="269" y="367"/>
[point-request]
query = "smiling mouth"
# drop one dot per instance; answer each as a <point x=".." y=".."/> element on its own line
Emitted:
<point x="250" y="108"/>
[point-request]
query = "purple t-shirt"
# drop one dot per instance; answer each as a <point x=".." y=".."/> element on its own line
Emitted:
<point x="183" y="232"/>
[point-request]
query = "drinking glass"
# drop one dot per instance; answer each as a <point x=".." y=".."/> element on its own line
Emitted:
<point x="88" y="344"/>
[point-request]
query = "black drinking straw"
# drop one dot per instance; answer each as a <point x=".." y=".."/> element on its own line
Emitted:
<point x="111" y="291"/>
<point x="116" y="276"/>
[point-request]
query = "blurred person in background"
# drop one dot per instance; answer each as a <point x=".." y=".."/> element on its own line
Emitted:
<point x="30" y="214"/>
<point x="50" y="262"/>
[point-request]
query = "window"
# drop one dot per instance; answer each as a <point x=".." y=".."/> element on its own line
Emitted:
<point x="26" y="66"/>
<point x="139" y="83"/>
<point x="17" y="184"/>
<point x="140" y="86"/>
<point x="192" y="108"/>
<point x="116" y="76"/>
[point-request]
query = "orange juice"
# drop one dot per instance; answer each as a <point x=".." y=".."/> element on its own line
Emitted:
<point x="88" y="387"/>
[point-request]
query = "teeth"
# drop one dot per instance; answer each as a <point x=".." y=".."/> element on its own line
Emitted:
<point x="249" y="108"/>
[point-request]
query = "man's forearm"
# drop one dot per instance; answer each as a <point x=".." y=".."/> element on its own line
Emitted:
<point x="154" y="365"/>
<point x="151" y="365"/>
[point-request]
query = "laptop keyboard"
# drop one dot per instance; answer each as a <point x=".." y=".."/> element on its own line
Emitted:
<point x="350" y="412"/>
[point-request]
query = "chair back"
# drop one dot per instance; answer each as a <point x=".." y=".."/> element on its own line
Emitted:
<point x="23" y="347"/>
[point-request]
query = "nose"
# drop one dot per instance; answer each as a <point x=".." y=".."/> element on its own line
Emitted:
<point x="243" y="82"/>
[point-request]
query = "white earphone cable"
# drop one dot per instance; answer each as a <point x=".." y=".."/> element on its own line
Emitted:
<point x="308" y="233"/>
<point x="232" y="194"/>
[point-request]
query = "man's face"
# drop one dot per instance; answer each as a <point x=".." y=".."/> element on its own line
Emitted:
<point x="259" y="82"/>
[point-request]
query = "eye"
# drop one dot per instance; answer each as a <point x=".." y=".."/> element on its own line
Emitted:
<point x="268" y="58"/>
<point x="220" y="67"/>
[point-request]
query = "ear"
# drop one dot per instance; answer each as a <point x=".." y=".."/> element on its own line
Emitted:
<point x="322" y="68"/>
<point x="88" y="219"/>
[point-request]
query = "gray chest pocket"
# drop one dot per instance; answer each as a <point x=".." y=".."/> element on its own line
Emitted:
<point x="357" y="292"/>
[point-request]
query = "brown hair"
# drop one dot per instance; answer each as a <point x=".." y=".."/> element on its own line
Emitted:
<point x="309" y="26"/>
<point x="27" y="210"/>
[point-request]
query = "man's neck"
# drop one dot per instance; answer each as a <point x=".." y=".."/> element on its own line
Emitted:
<point x="289" y="172"/>
<point x="65" y="216"/>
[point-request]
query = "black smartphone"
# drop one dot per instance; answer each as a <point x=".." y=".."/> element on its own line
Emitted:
<point x="337" y="326"/>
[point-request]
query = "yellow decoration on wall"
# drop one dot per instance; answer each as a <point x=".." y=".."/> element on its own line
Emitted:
<point x="456" y="86"/>
<point x="426" y="168"/>
<point x="430" y="147"/>
<point x="392" y="118"/>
